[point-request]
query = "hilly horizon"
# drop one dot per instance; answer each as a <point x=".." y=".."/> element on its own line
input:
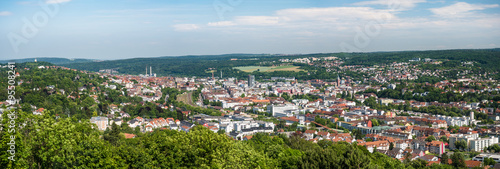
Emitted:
<point x="204" y="65"/>
<point x="63" y="60"/>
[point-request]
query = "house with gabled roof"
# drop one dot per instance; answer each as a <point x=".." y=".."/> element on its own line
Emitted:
<point x="128" y="136"/>
<point x="38" y="111"/>
<point x="133" y="123"/>
<point x="149" y="128"/>
<point x="403" y="144"/>
<point x="185" y="128"/>
<point x="429" y="158"/>
<point x="246" y="138"/>
<point x="310" y="134"/>
<point x="382" y="145"/>
<point x="395" y="153"/>
<point x="472" y="164"/>
<point x="324" y="135"/>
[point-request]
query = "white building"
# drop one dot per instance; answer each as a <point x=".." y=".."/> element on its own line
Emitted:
<point x="458" y="121"/>
<point x="474" y="142"/>
<point x="101" y="122"/>
<point x="481" y="143"/>
<point x="286" y="110"/>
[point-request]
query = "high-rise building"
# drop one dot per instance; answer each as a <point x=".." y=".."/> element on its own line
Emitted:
<point x="251" y="80"/>
<point x="338" y="80"/>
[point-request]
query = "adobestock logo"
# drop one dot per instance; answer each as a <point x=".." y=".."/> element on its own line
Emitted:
<point x="221" y="7"/>
<point x="371" y="29"/>
<point x="32" y="25"/>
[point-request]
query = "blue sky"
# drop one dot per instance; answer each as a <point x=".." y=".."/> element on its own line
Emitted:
<point x="115" y="29"/>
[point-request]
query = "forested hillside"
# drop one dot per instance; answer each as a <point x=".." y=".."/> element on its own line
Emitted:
<point x="187" y="65"/>
<point x="487" y="59"/>
<point x="65" y="92"/>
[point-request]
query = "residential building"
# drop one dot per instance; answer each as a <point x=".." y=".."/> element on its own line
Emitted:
<point x="379" y="145"/>
<point x="474" y="142"/>
<point x="480" y="144"/>
<point x="101" y="122"/>
<point x="284" y="110"/>
<point x="436" y="147"/>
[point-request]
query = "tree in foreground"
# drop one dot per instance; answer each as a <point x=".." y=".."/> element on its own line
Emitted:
<point x="444" y="158"/>
<point x="489" y="161"/>
<point x="458" y="160"/>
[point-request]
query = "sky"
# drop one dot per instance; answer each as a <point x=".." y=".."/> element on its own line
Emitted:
<point x="119" y="29"/>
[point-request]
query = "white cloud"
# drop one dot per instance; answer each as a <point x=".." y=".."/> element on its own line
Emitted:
<point x="460" y="9"/>
<point x="393" y="5"/>
<point x="257" y="20"/>
<point x="56" y="1"/>
<point x="333" y="13"/>
<point x="333" y="25"/>
<point x="311" y="16"/>
<point x="5" y="13"/>
<point x="221" y="23"/>
<point x="25" y="3"/>
<point x="186" y="27"/>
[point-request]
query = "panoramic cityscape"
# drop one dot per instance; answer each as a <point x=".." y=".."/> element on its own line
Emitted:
<point x="250" y="84"/>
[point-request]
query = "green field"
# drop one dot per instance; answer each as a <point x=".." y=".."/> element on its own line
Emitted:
<point x="269" y="68"/>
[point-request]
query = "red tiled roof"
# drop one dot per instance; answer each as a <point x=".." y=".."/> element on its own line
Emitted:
<point x="248" y="137"/>
<point x="310" y="131"/>
<point x="435" y="143"/>
<point x="127" y="135"/>
<point x="290" y="119"/>
<point x="471" y="163"/>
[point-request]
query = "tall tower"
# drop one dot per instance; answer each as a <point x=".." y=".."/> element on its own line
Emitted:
<point x="146" y="71"/>
<point x="221" y="74"/>
<point x="338" y="80"/>
<point x="251" y="80"/>
<point x="150" y="71"/>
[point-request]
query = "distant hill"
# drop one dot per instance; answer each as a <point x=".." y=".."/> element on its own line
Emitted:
<point x="199" y="65"/>
<point x="196" y="65"/>
<point x="56" y="61"/>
